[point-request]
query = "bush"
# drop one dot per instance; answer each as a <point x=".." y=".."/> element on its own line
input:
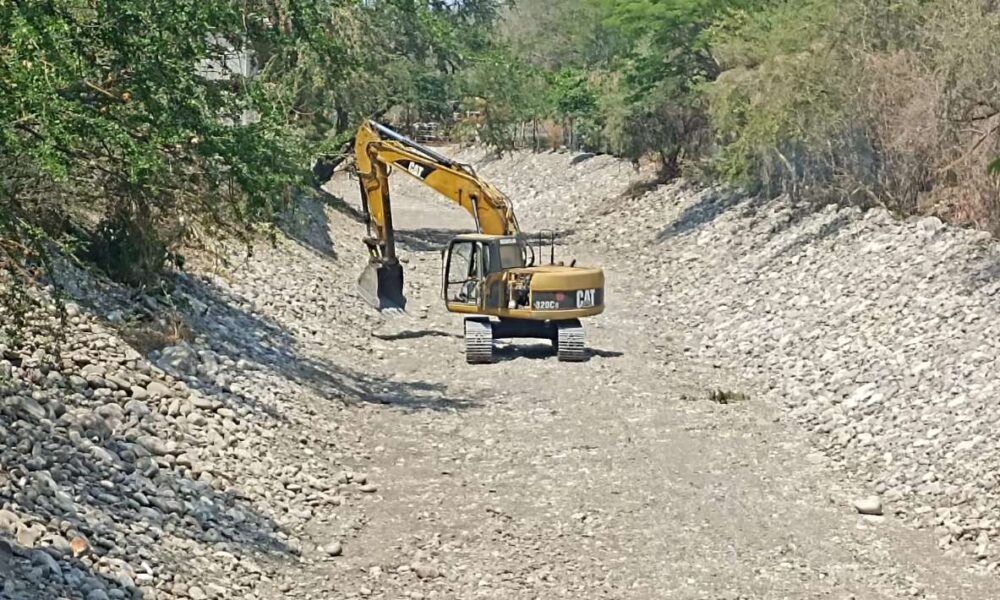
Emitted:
<point x="864" y="101"/>
<point x="506" y="93"/>
<point x="147" y="126"/>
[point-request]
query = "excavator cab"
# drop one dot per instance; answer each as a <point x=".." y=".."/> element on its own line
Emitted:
<point x="473" y="268"/>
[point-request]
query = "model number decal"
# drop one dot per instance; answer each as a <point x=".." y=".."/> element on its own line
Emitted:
<point x="546" y="304"/>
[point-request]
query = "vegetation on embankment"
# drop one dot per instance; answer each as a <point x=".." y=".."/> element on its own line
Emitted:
<point x="895" y="103"/>
<point x="130" y="128"/>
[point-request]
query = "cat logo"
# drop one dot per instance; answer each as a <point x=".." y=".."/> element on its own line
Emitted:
<point x="418" y="170"/>
<point x="585" y="298"/>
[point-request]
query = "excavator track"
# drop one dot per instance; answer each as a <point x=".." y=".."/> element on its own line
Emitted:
<point x="570" y="342"/>
<point x="478" y="341"/>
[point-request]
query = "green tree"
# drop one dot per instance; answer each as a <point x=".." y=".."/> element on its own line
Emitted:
<point x="507" y="93"/>
<point x="132" y="129"/>
<point x="658" y="106"/>
<point x="574" y="100"/>
<point x="556" y="34"/>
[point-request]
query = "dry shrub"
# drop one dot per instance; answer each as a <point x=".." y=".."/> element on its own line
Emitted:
<point x="934" y="112"/>
<point x="966" y="192"/>
<point x="170" y="329"/>
<point x="554" y="133"/>
<point x="962" y="37"/>
<point x="897" y="105"/>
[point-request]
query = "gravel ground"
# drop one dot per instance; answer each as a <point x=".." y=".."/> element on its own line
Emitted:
<point x="764" y="372"/>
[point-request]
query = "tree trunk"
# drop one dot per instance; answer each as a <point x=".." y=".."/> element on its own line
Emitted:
<point x="343" y="119"/>
<point x="669" y="164"/>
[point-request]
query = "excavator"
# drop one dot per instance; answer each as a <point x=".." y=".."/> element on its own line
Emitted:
<point x="492" y="276"/>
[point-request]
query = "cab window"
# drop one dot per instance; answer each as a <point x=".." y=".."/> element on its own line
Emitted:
<point x="511" y="256"/>
<point x="463" y="275"/>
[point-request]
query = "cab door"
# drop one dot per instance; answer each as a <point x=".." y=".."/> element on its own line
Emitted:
<point x="462" y="282"/>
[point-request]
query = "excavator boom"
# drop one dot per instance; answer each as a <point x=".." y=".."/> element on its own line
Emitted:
<point x="377" y="150"/>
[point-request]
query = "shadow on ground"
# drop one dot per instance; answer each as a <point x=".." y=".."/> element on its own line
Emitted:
<point x="710" y="207"/>
<point x="67" y="472"/>
<point x="23" y="571"/>
<point x="754" y="212"/>
<point x="435" y="240"/>
<point x="79" y="478"/>
<point x="543" y="351"/>
<point x="983" y="275"/>
<point x="306" y="222"/>
<point x="74" y="475"/>
<point x="414" y="335"/>
<point x="826" y="231"/>
<point x="426" y="240"/>
<point x="232" y="331"/>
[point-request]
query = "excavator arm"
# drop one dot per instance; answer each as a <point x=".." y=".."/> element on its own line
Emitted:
<point x="378" y="149"/>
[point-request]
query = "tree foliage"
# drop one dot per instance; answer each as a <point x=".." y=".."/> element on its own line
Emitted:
<point x="642" y="63"/>
<point x="134" y="127"/>
<point x="130" y="129"/>
<point x="865" y="100"/>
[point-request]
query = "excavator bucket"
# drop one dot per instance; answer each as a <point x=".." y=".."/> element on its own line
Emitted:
<point x="381" y="285"/>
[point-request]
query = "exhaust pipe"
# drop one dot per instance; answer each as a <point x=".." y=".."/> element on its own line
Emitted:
<point x="381" y="285"/>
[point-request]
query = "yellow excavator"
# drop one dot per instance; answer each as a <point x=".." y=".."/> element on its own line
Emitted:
<point x="493" y="276"/>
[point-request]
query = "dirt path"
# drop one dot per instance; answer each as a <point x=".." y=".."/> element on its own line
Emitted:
<point x="615" y="478"/>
